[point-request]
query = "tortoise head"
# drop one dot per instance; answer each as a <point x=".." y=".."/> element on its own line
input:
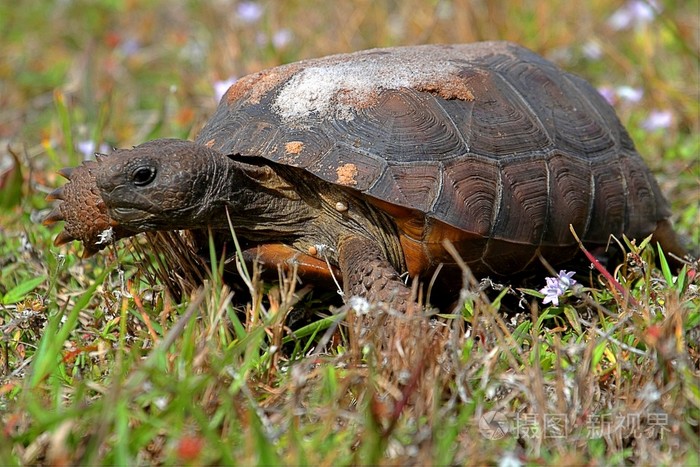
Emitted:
<point x="160" y="185"/>
<point x="165" y="184"/>
<point x="170" y="184"/>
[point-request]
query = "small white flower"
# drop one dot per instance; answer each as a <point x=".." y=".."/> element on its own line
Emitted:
<point x="105" y="236"/>
<point x="629" y="94"/>
<point x="608" y="94"/>
<point x="657" y="120"/>
<point x="566" y="279"/>
<point x="359" y="304"/>
<point x="282" y="38"/>
<point x="161" y="402"/>
<point x="592" y="50"/>
<point x="557" y="286"/>
<point x="643" y="11"/>
<point x="87" y="148"/>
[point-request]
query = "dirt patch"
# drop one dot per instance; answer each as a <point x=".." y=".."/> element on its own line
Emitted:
<point x="347" y="174"/>
<point x="451" y="87"/>
<point x="293" y="147"/>
<point x="336" y="87"/>
<point x="254" y="87"/>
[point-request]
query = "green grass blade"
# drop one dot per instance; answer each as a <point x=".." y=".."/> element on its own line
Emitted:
<point x="48" y="354"/>
<point x="65" y="120"/>
<point x="11" y="183"/>
<point x="19" y="292"/>
<point x="315" y="327"/>
<point x="665" y="268"/>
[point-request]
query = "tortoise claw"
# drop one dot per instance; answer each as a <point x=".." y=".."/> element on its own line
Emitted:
<point x="63" y="238"/>
<point x="58" y="193"/>
<point x="66" y="172"/>
<point x="54" y="216"/>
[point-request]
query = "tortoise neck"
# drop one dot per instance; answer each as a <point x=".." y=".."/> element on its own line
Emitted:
<point x="270" y="202"/>
<point x="262" y="205"/>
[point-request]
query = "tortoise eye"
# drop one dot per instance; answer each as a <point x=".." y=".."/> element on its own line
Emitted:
<point x="143" y="176"/>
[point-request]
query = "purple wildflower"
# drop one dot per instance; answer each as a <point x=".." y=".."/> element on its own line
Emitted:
<point x="557" y="286"/>
<point x="220" y="87"/>
<point x="592" y="50"/>
<point x="249" y="12"/>
<point x="634" y="13"/>
<point x="608" y="94"/>
<point x="130" y="46"/>
<point x="282" y="38"/>
<point x="657" y="120"/>
<point x="88" y="148"/>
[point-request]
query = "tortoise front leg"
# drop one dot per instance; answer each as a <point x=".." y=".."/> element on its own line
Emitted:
<point x="368" y="274"/>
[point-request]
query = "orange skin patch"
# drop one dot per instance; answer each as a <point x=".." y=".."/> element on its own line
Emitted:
<point x="309" y="268"/>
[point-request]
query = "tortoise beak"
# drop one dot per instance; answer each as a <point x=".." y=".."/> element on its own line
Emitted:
<point x="127" y="215"/>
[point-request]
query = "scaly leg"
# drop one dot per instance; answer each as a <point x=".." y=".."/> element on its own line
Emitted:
<point x="368" y="274"/>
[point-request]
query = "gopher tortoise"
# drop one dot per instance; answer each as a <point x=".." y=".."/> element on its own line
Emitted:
<point x="369" y="162"/>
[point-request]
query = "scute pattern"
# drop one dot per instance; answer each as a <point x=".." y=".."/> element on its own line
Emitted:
<point x="473" y="199"/>
<point x="524" y="205"/>
<point x="570" y="198"/>
<point x="502" y="122"/>
<point x="645" y="193"/>
<point x="562" y="110"/>
<point x="526" y="151"/>
<point x="404" y="126"/>
<point x="406" y="185"/>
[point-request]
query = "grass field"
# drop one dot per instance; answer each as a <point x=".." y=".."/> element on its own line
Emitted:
<point x="98" y="365"/>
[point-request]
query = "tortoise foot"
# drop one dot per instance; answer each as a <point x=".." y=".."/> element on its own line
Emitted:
<point x="369" y="275"/>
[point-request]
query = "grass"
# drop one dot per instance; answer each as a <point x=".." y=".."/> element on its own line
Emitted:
<point x="98" y="365"/>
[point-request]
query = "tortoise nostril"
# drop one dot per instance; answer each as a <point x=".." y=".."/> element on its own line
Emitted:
<point x="143" y="176"/>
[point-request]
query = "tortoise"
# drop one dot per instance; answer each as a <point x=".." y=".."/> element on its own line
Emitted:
<point x="368" y="162"/>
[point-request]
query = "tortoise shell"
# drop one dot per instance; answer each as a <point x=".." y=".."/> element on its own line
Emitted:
<point x="487" y="145"/>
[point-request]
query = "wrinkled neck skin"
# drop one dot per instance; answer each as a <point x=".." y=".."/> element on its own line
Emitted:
<point x="261" y="204"/>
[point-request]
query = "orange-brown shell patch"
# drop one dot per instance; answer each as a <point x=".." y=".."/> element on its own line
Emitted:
<point x="347" y="174"/>
<point x="352" y="100"/>
<point x="293" y="147"/>
<point x="255" y="86"/>
<point x="450" y="87"/>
